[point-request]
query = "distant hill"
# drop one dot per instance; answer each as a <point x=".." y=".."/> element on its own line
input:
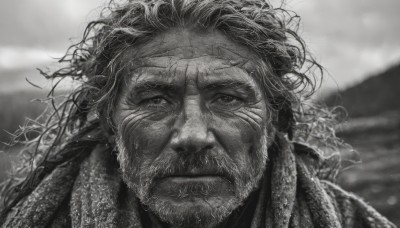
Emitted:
<point x="14" y="108"/>
<point x="13" y="80"/>
<point x="373" y="130"/>
<point x="375" y="95"/>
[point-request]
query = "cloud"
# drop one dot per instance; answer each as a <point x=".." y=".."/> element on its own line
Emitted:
<point x="44" y="23"/>
<point x="353" y="39"/>
<point x="25" y="57"/>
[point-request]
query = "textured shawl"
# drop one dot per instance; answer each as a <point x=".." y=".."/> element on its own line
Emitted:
<point x="90" y="194"/>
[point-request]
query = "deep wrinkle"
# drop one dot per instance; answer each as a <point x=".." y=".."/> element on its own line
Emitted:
<point x="174" y="159"/>
<point x="199" y="109"/>
<point x="150" y="83"/>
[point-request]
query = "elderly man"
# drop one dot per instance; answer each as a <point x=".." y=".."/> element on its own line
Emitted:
<point x="186" y="117"/>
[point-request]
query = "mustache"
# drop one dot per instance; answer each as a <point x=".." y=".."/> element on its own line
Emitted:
<point x="200" y="163"/>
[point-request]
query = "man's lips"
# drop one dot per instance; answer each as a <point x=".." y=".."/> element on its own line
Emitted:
<point x="196" y="175"/>
<point x="202" y="183"/>
<point x="208" y="175"/>
<point x="192" y="179"/>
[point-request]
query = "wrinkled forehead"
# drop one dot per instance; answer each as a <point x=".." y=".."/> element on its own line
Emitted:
<point x="189" y="54"/>
<point x="189" y="45"/>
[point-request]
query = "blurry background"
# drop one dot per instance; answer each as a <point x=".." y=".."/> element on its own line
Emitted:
<point x="357" y="42"/>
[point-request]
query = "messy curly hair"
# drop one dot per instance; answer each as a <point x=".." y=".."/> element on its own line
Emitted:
<point x="74" y="123"/>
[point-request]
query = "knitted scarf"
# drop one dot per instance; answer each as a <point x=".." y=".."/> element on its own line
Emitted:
<point x="91" y="194"/>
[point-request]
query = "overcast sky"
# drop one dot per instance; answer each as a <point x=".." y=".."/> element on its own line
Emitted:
<point x="352" y="39"/>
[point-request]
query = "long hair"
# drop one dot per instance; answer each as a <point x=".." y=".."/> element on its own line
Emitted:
<point x="74" y="122"/>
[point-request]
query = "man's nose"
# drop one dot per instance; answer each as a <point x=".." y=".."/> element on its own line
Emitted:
<point x="191" y="133"/>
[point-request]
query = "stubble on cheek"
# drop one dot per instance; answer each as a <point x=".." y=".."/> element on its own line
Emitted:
<point x="250" y="125"/>
<point x="140" y="173"/>
<point x="129" y="141"/>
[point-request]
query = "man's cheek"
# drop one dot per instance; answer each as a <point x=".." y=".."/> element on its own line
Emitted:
<point x="238" y="131"/>
<point x="251" y="124"/>
<point x="147" y="136"/>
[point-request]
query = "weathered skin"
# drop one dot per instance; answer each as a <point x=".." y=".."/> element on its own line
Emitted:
<point x="189" y="95"/>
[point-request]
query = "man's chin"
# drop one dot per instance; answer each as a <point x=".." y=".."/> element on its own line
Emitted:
<point x="206" y="211"/>
<point x="190" y="203"/>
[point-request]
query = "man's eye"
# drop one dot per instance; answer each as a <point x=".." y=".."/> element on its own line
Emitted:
<point x="227" y="100"/>
<point x="155" y="102"/>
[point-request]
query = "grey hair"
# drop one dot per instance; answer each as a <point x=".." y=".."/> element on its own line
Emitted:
<point x="286" y="74"/>
<point x="286" y="69"/>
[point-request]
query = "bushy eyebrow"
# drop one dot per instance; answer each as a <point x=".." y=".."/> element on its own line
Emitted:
<point x="145" y="86"/>
<point x="240" y="86"/>
<point x="229" y="84"/>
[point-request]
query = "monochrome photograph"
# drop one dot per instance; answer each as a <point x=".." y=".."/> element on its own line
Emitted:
<point x="200" y="113"/>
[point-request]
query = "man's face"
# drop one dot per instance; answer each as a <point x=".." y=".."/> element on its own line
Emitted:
<point x="192" y="126"/>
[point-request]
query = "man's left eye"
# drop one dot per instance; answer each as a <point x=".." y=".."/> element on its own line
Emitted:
<point x="227" y="100"/>
<point x="156" y="100"/>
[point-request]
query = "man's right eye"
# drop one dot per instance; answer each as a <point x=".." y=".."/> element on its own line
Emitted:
<point x="155" y="102"/>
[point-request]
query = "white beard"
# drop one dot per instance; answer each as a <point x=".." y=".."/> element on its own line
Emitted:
<point x="140" y="180"/>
